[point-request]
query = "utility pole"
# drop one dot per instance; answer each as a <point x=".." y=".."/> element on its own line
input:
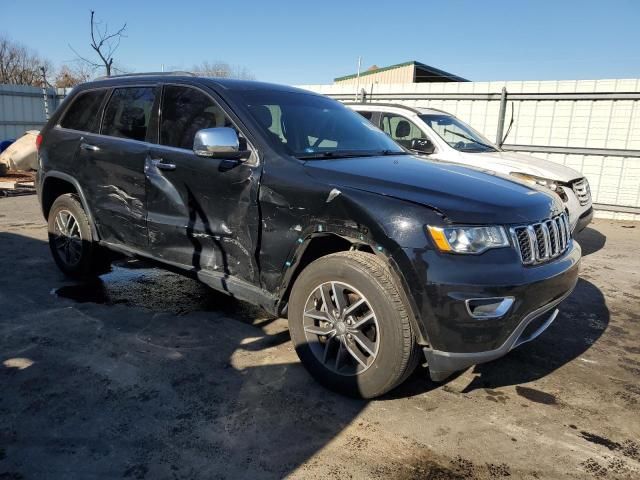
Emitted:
<point x="501" y="115"/>
<point x="44" y="92"/>
<point x="358" y="78"/>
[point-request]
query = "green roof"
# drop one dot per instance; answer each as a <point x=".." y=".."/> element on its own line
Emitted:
<point x="434" y="72"/>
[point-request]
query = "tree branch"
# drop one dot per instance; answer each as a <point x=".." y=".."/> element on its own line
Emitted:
<point x="103" y="43"/>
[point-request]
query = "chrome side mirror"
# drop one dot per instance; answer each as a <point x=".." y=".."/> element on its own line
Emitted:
<point x="216" y="142"/>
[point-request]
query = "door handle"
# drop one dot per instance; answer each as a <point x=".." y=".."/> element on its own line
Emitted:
<point x="162" y="165"/>
<point x="87" y="146"/>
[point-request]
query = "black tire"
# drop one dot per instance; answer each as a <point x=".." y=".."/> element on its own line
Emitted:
<point x="87" y="261"/>
<point x="396" y="352"/>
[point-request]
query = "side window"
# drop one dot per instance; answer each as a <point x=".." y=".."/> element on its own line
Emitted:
<point x="403" y="131"/>
<point x="186" y="110"/>
<point x="83" y="112"/>
<point x="367" y="115"/>
<point x="128" y="112"/>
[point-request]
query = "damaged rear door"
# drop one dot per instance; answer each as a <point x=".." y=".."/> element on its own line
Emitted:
<point x="202" y="213"/>
<point x="112" y="166"/>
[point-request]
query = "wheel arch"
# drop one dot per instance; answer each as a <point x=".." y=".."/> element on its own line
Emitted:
<point x="319" y="245"/>
<point x="59" y="183"/>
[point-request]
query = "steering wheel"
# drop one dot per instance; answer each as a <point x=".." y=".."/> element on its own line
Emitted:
<point x="459" y="145"/>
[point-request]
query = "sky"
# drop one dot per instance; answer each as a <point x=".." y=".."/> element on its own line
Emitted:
<point x="301" y="42"/>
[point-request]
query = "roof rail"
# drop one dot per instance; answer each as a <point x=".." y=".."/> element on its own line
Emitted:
<point x="147" y="74"/>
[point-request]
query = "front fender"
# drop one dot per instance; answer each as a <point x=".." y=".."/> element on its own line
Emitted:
<point x="366" y="221"/>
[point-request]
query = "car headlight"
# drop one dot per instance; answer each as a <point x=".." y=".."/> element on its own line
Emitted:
<point x="533" y="180"/>
<point x="468" y="239"/>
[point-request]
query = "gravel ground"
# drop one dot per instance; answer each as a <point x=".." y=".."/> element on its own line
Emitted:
<point x="146" y="374"/>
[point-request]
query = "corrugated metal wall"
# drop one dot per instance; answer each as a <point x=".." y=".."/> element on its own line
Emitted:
<point x="608" y="119"/>
<point x="401" y="74"/>
<point x="22" y="109"/>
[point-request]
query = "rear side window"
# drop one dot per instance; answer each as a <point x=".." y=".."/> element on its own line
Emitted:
<point x="185" y="111"/>
<point x="83" y="112"/>
<point x="367" y="115"/>
<point x="128" y="112"/>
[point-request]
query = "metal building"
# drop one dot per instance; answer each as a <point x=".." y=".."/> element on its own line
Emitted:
<point x="407" y="72"/>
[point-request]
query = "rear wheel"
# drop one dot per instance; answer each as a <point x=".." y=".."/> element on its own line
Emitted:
<point x="72" y="245"/>
<point x="350" y="326"/>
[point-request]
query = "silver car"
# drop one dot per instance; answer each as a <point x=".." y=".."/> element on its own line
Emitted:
<point x="438" y="135"/>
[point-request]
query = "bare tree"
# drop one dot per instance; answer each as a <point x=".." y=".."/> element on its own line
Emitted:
<point x="222" y="70"/>
<point x="104" y="45"/>
<point x="19" y="65"/>
<point x="68" y="77"/>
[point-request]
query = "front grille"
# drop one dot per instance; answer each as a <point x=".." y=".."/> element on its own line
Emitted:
<point x="541" y="242"/>
<point x="582" y="190"/>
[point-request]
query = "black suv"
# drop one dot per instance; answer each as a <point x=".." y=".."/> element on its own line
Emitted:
<point x="291" y="201"/>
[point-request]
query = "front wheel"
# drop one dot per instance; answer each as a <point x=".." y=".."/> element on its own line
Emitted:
<point x="350" y="325"/>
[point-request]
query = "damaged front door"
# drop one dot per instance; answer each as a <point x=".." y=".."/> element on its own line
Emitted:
<point x="202" y="213"/>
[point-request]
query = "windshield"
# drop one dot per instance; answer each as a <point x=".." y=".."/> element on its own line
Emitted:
<point x="457" y="134"/>
<point x="311" y="126"/>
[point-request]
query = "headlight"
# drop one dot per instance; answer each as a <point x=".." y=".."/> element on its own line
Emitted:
<point x="532" y="179"/>
<point x="468" y="239"/>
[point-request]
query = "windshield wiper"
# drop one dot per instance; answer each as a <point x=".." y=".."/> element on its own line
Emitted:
<point x="348" y="154"/>
<point x="462" y="135"/>
<point x="393" y="152"/>
<point x="319" y="155"/>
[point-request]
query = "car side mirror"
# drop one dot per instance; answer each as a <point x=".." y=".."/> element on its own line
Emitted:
<point x="219" y="142"/>
<point x="422" y="145"/>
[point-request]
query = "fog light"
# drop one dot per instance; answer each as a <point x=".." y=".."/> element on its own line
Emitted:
<point x="485" y="308"/>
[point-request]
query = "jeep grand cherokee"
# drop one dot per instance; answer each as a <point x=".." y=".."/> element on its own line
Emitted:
<point x="291" y="201"/>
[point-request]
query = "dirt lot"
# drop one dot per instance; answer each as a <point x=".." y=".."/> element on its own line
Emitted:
<point x="146" y="374"/>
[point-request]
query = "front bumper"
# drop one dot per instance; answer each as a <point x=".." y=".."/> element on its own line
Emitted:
<point x="443" y="364"/>
<point x="457" y="339"/>
<point x="579" y="215"/>
<point x="583" y="221"/>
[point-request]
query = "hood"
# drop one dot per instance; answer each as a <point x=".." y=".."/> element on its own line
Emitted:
<point x="462" y="194"/>
<point x="507" y="162"/>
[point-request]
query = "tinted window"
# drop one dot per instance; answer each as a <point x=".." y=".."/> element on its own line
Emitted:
<point x="310" y="126"/>
<point x="185" y="111"/>
<point x="83" y="113"/>
<point x="367" y="115"/>
<point x="127" y="113"/>
<point x="401" y="130"/>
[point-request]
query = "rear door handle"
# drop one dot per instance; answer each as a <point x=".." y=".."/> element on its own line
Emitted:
<point x="162" y="165"/>
<point x="87" y="146"/>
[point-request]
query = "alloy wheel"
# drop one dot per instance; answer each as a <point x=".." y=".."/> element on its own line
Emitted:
<point x="341" y="328"/>
<point x="67" y="237"/>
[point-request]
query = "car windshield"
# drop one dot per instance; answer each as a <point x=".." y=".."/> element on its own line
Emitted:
<point x="457" y="134"/>
<point x="311" y="126"/>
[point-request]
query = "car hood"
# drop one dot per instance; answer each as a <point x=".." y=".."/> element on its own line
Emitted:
<point x="463" y="195"/>
<point x="508" y="162"/>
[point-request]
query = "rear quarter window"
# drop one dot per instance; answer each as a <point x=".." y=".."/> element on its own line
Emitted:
<point x="84" y="112"/>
